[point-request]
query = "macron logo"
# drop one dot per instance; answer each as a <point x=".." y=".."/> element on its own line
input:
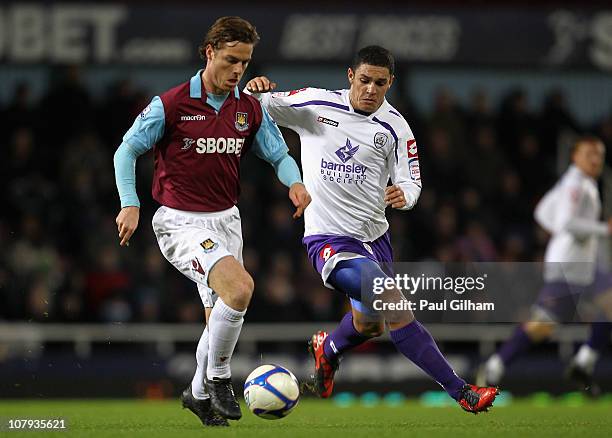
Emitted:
<point x="193" y="118"/>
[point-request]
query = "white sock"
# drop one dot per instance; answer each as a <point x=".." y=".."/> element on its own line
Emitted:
<point x="494" y="369"/>
<point x="197" y="383"/>
<point x="224" y="326"/>
<point x="586" y="357"/>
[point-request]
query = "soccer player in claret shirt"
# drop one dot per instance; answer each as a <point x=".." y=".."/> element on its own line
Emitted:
<point x="352" y="142"/>
<point x="199" y="131"/>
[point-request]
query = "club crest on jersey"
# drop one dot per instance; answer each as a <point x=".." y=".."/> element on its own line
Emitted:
<point x="187" y="143"/>
<point x="380" y="140"/>
<point x="347" y="151"/>
<point x="242" y="121"/>
<point x="209" y="245"/>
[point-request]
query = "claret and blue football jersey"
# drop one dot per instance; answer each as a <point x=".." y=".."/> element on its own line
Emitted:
<point x="199" y="140"/>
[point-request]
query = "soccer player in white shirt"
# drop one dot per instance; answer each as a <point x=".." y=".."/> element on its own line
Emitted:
<point x="570" y="213"/>
<point x="353" y="141"/>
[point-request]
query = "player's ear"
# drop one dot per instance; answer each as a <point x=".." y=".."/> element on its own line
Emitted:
<point x="210" y="52"/>
<point x="391" y="80"/>
<point x="351" y="75"/>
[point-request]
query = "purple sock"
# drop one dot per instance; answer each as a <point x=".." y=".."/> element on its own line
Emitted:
<point x="600" y="335"/>
<point x="415" y="342"/>
<point x="517" y="344"/>
<point x="343" y="338"/>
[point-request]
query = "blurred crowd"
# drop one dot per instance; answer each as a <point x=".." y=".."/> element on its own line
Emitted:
<point x="483" y="170"/>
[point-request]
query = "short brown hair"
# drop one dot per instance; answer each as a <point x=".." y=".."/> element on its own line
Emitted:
<point x="228" y="29"/>
<point x="584" y="139"/>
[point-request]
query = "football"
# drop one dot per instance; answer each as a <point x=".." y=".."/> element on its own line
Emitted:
<point x="271" y="392"/>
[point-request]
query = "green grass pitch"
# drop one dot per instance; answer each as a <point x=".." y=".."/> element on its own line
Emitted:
<point x="316" y="418"/>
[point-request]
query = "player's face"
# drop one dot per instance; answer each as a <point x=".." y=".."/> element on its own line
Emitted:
<point x="227" y="64"/>
<point x="369" y="84"/>
<point x="589" y="157"/>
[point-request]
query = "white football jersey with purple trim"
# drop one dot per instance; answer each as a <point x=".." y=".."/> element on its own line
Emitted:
<point x="347" y="159"/>
<point x="570" y="212"/>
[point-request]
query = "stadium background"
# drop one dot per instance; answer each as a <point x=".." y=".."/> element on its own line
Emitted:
<point x="494" y="97"/>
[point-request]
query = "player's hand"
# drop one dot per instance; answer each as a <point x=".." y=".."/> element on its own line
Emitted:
<point x="127" y="221"/>
<point x="260" y="84"/>
<point x="394" y="196"/>
<point x="610" y="225"/>
<point x="300" y="198"/>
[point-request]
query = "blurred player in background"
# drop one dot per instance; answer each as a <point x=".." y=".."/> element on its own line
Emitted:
<point x="352" y="142"/>
<point x="570" y="212"/>
<point x="199" y="132"/>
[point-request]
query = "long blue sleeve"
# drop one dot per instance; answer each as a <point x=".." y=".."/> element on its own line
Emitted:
<point x="269" y="145"/>
<point x="287" y="170"/>
<point x="147" y="129"/>
<point x="125" y="174"/>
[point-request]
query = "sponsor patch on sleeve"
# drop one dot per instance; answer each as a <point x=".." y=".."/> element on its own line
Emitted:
<point x="412" y="149"/>
<point x="292" y="92"/>
<point x="415" y="169"/>
<point x="145" y="111"/>
<point x="575" y="195"/>
<point x="287" y="93"/>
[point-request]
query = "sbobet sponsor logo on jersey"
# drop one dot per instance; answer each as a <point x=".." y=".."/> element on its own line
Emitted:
<point x="344" y="172"/>
<point x="221" y="145"/>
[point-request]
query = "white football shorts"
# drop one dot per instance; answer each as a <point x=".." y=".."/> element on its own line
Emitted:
<point x="193" y="242"/>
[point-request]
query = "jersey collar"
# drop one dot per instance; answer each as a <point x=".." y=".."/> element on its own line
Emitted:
<point x="195" y="87"/>
<point x="574" y="169"/>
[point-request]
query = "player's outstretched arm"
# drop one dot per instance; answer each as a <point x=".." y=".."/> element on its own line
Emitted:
<point x="147" y="129"/>
<point x="403" y="165"/>
<point x="125" y="178"/>
<point x="260" y="84"/>
<point x="545" y="213"/>
<point x="287" y="108"/>
<point x="127" y="222"/>
<point x="300" y="198"/>
<point x="567" y="215"/>
<point x="394" y="196"/>
<point x="288" y="173"/>
<point x="270" y="146"/>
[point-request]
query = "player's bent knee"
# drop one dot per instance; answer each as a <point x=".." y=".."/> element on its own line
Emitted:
<point x="232" y="283"/>
<point x="240" y="291"/>
<point x="244" y="289"/>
